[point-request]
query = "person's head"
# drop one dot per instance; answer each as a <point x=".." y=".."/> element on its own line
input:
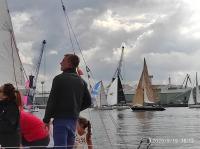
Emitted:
<point x="84" y="124"/>
<point x="7" y="92"/>
<point x="69" y="61"/>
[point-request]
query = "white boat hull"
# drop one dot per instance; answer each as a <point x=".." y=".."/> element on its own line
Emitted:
<point x="194" y="106"/>
<point x="121" y="107"/>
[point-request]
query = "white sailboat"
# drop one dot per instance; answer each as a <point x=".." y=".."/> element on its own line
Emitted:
<point x="144" y="98"/>
<point x="115" y="95"/>
<point x="112" y="93"/>
<point x="10" y="63"/>
<point x="98" y="93"/>
<point x="194" y="102"/>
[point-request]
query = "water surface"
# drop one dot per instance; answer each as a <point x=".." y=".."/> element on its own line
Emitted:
<point x="174" y="128"/>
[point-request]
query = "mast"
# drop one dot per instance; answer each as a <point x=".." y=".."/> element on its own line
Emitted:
<point x="10" y="64"/>
<point x="118" y="70"/>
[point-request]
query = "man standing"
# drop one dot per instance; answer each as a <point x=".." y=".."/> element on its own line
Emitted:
<point x="69" y="95"/>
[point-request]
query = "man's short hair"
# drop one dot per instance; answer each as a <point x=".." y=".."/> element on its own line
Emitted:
<point x="73" y="59"/>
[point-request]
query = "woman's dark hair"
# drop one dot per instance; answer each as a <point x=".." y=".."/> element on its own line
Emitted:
<point x="85" y="124"/>
<point x="9" y="91"/>
<point x="12" y="94"/>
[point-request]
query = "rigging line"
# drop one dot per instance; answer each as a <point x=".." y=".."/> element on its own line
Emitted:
<point x="66" y="19"/>
<point x="17" y="51"/>
<point x="92" y="76"/>
<point x="91" y="119"/>
<point x="18" y="55"/>
<point x="70" y="25"/>
<point x="104" y="126"/>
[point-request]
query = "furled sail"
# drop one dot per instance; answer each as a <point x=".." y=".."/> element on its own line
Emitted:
<point x="10" y="63"/>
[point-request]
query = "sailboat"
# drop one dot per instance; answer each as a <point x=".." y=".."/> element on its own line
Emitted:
<point x="144" y="98"/>
<point x="99" y="95"/>
<point x="10" y="64"/>
<point x="194" y="103"/>
<point x="115" y="95"/>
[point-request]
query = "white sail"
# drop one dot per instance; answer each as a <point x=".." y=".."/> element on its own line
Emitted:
<point x="95" y="94"/>
<point x="146" y="99"/>
<point x="112" y="93"/>
<point x="103" y="100"/>
<point x="197" y="91"/>
<point x="191" y="99"/>
<point x="11" y="70"/>
<point x="99" y="95"/>
<point x="144" y="92"/>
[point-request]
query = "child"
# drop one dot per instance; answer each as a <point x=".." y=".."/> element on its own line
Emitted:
<point x="83" y="134"/>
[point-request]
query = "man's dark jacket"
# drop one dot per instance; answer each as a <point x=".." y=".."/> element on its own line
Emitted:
<point x="69" y="95"/>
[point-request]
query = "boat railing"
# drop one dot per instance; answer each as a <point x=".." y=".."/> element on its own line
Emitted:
<point x="145" y="141"/>
<point x="114" y="146"/>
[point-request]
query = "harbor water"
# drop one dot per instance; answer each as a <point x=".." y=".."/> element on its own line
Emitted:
<point x="177" y="128"/>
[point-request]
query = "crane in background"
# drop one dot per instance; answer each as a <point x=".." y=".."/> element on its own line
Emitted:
<point x="119" y="66"/>
<point x="33" y="78"/>
<point x="185" y="81"/>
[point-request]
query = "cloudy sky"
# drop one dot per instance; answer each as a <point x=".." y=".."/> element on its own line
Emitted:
<point x="165" y="32"/>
